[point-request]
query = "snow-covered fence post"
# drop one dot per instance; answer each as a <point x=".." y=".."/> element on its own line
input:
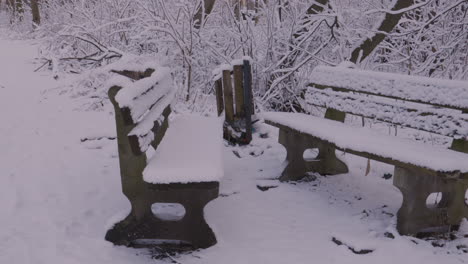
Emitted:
<point x="233" y="83"/>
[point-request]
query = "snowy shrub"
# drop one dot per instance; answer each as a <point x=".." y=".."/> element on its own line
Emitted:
<point x="285" y="39"/>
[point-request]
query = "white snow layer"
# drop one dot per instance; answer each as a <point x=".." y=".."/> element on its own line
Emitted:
<point x="142" y="94"/>
<point x="218" y="71"/>
<point x="143" y="128"/>
<point x="191" y="151"/>
<point x="146" y="98"/>
<point x="366" y="140"/>
<point x="435" y="91"/>
<point x="132" y="62"/>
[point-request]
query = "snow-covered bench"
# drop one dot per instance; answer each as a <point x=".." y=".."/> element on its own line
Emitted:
<point x="437" y="106"/>
<point x="184" y="169"/>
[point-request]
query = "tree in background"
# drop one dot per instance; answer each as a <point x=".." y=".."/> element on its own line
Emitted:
<point x="36" y="16"/>
<point x="285" y="38"/>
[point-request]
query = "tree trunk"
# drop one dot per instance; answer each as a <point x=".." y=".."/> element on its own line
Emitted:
<point x="36" y="17"/>
<point x="19" y="7"/>
<point x="200" y="15"/>
<point x="387" y="25"/>
<point x="11" y="7"/>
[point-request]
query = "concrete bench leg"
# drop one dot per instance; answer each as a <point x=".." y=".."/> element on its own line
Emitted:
<point x="141" y="224"/>
<point x="414" y="215"/>
<point x="295" y="145"/>
<point x="326" y="162"/>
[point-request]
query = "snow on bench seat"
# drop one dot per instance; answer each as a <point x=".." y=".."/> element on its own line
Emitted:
<point x="439" y="92"/>
<point x="191" y="151"/>
<point x="366" y="140"/>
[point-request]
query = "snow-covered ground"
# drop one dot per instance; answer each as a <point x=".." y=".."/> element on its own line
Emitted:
<point x="60" y="190"/>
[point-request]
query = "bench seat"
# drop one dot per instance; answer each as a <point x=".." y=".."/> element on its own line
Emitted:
<point x="373" y="144"/>
<point x="191" y="151"/>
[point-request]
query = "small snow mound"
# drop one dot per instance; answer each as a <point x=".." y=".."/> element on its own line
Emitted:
<point x="347" y="64"/>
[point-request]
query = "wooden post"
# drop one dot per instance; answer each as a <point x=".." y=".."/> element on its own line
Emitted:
<point x="219" y="96"/>
<point x="228" y="96"/>
<point x="239" y="91"/>
<point x="248" y="101"/>
<point x="461" y="144"/>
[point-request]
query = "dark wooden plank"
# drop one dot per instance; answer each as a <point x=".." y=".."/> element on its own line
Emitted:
<point x="135" y="75"/>
<point x="334" y="114"/>
<point x="159" y="130"/>
<point x="460" y="145"/>
<point x="239" y="91"/>
<point x="248" y="100"/>
<point x="219" y="96"/>
<point x="228" y="96"/>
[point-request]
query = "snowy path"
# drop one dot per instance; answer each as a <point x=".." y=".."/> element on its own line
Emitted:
<point x="55" y="194"/>
<point x="58" y="194"/>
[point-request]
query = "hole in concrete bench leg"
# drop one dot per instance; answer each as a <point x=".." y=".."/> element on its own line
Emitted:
<point x="168" y="211"/>
<point x="326" y="163"/>
<point x="310" y="154"/>
<point x="434" y="200"/>
<point x="414" y="216"/>
<point x="466" y="198"/>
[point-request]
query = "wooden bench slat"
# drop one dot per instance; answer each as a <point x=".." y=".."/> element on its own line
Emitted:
<point x="144" y="129"/>
<point x="228" y="96"/>
<point x="239" y="90"/>
<point x="144" y="94"/>
<point x="440" y="121"/>
<point x="437" y="92"/>
<point x="373" y="144"/>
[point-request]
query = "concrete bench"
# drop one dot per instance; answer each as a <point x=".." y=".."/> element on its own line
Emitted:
<point x="437" y="106"/>
<point x="184" y="169"/>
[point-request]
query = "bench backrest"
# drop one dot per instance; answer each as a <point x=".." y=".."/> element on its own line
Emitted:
<point x="142" y="105"/>
<point x="427" y="104"/>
